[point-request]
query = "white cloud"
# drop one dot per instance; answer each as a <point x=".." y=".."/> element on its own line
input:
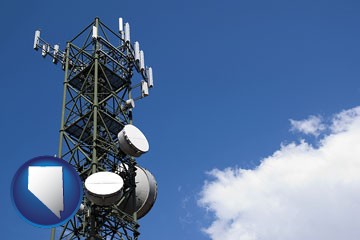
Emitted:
<point x="300" y="192"/>
<point x="313" y="125"/>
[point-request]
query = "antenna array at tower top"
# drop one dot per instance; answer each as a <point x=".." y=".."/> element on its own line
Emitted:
<point x="122" y="57"/>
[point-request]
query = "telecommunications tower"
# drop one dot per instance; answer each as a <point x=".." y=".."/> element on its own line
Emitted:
<point x="97" y="135"/>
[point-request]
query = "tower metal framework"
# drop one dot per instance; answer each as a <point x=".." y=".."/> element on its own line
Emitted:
<point x="98" y="99"/>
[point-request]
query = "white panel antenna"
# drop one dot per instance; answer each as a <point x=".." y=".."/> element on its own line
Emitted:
<point x="94" y="32"/>
<point x="142" y="61"/>
<point x="130" y="103"/>
<point x="36" y="39"/>
<point x="144" y="89"/>
<point x="121" y="25"/>
<point x="149" y="74"/>
<point x="44" y="50"/>
<point x="56" y="51"/>
<point x="127" y="32"/>
<point x="137" y="51"/>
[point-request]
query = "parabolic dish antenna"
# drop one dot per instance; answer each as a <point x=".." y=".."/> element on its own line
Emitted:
<point x="104" y="188"/>
<point x="145" y="191"/>
<point x="132" y="141"/>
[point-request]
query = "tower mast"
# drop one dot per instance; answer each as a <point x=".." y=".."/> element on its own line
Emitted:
<point x="98" y="99"/>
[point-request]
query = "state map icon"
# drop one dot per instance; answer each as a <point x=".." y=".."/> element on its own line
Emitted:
<point x="47" y="191"/>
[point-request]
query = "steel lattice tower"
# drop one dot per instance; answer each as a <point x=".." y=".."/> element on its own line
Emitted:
<point x="98" y="99"/>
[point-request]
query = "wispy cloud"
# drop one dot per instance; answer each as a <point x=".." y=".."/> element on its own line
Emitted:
<point x="299" y="192"/>
<point x="312" y="125"/>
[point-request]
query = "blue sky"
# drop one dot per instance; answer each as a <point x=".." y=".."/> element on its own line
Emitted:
<point x="228" y="77"/>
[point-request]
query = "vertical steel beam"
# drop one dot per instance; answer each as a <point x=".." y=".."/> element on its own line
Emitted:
<point x="52" y="237"/>
<point x="64" y="100"/>
<point x="93" y="231"/>
<point x="96" y="102"/>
